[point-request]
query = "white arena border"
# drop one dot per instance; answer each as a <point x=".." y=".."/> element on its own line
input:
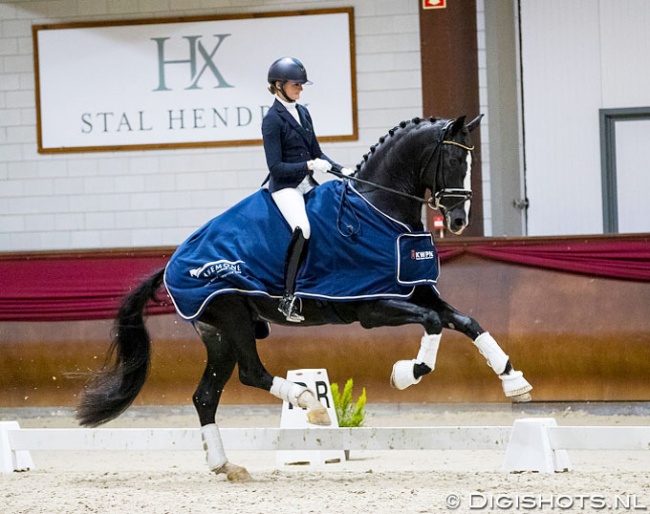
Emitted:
<point x="531" y="444"/>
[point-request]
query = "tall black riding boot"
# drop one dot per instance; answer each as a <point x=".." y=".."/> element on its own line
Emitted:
<point x="288" y="305"/>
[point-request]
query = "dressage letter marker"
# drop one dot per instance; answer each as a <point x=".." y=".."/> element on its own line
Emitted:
<point x="318" y="381"/>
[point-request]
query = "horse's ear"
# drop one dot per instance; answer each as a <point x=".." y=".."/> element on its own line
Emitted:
<point x="474" y="123"/>
<point x="456" y="126"/>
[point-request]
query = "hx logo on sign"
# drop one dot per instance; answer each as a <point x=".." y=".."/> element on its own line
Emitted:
<point x="196" y="51"/>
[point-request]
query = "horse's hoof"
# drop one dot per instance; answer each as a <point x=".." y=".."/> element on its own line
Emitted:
<point x="319" y="417"/>
<point x="234" y="473"/>
<point x="515" y="386"/>
<point x="403" y="376"/>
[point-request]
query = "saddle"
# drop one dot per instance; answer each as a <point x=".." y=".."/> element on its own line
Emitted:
<point x="355" y="252"/>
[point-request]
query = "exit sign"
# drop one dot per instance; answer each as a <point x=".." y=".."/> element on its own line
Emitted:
<point x="434" y="4"/>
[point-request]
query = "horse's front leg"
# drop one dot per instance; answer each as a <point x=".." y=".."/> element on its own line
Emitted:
<point x="515" y="386"/>
<point x="396" y="313"/>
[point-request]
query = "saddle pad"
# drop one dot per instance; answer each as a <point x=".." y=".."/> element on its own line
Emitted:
<point x="355" y="252"/>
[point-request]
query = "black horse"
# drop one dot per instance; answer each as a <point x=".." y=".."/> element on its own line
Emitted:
<point x="416" y="155"/>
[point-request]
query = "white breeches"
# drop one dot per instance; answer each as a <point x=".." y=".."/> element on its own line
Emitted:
<point x="291" y="203"/>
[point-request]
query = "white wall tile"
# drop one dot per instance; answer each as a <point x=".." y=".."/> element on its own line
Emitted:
<point x="86" y="239"/>
<point x="69" y="221"/>
<point x="26" y="240"/>
<point x="19" y="134"/>
<point x="99" y="220"/>
<point x="39" y="187"/>
<point x="22" y="170"/>
<point x="12" y="153"/>
<point x="8" y="46"/>
<point x="39" y="222"/>
<point x="55" y="240"/>
<point x="91" y="7"/>
<point x="12" y="188"/>
<point x="68" y="186"/>
<point x="12" y="223"/>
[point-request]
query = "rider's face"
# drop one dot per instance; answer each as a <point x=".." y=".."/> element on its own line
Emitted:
<point x="292" y="91"/>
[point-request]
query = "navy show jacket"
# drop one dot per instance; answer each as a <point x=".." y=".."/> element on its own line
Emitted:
<point x="288" y="146"/>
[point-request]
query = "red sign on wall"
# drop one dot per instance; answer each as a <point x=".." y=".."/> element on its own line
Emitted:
<point x="434" y="4"/>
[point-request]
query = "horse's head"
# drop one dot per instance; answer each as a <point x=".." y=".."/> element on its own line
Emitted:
<point x="448" y="172"/>
<point x="417" y="155"/>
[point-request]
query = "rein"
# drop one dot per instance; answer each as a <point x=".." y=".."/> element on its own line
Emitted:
<point x="378" y="186"/>
<point x="434" y="201"/>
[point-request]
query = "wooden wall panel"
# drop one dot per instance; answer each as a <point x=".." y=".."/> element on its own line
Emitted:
<point x="450" y="87"/>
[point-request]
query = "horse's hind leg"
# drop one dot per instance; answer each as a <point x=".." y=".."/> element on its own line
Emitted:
<point x="515" y="386"/>
<point x="233" y="317"/>
<point x="252" y="372"/>
<point x="220" y="364"/>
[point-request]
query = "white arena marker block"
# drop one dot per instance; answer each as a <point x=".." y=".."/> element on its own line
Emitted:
<point x="529" y="448"/>
<point x="294" y="417"/>
<point x="11" y="460"/>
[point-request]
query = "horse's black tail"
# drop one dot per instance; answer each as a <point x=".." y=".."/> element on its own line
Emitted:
<point x="112" y="390"/>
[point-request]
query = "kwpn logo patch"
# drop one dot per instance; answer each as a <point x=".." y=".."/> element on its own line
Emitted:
<point x="417" y="259"/>
<point x="423" y="255"/>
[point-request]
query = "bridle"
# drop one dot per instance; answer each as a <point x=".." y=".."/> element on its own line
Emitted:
<point x="444" y="193"/>
<point x="431" y="175"/>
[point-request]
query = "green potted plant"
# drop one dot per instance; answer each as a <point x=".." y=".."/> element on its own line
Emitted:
<point x="348" y="413"/>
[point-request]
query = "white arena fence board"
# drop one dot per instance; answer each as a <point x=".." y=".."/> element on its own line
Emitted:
<point x="533" y="444"/>
<point x="599" y="437"/>
<point x="260" y="439"/>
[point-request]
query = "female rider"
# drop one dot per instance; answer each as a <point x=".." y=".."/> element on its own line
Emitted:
<point x="292" y="155"/>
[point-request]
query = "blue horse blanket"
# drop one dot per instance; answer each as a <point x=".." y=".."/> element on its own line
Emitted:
<point x="355" y="252"/>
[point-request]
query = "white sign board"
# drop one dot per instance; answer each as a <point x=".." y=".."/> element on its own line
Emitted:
<point x="293" y="417"/>
<point x="192" y="82"/>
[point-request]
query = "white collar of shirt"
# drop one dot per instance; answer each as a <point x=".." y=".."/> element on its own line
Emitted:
<point x="291" y="107"/>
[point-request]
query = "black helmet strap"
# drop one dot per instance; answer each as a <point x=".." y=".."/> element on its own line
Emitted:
<point x="284" y="94"/>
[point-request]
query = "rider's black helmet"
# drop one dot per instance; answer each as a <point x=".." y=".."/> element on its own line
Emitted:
<point x="288" y="69"/>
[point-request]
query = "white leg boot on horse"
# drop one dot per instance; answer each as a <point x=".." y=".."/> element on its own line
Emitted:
<point x="404" y="371"/>
<point x="302" y="397"/>
<point x="216" y="456"/>
<point x="515" y="386"/>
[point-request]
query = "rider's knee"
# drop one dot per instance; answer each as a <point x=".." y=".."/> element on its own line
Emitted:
<point x="305" y="228"/>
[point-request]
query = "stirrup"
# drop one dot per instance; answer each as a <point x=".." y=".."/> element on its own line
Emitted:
<point x="289" y="309"/>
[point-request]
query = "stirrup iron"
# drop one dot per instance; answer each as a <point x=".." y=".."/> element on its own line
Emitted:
<point x="289" y="308"/>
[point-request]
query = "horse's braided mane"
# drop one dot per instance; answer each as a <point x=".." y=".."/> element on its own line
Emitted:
<point x="403" y="126"/>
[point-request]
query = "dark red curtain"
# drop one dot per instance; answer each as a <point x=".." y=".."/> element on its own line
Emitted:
<point x="90" y="285"/>
<point x="609" y="258"/>
<point x="72" y="287"/>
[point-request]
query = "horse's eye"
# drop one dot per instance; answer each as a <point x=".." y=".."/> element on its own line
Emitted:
<point x="454" y="162"/>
